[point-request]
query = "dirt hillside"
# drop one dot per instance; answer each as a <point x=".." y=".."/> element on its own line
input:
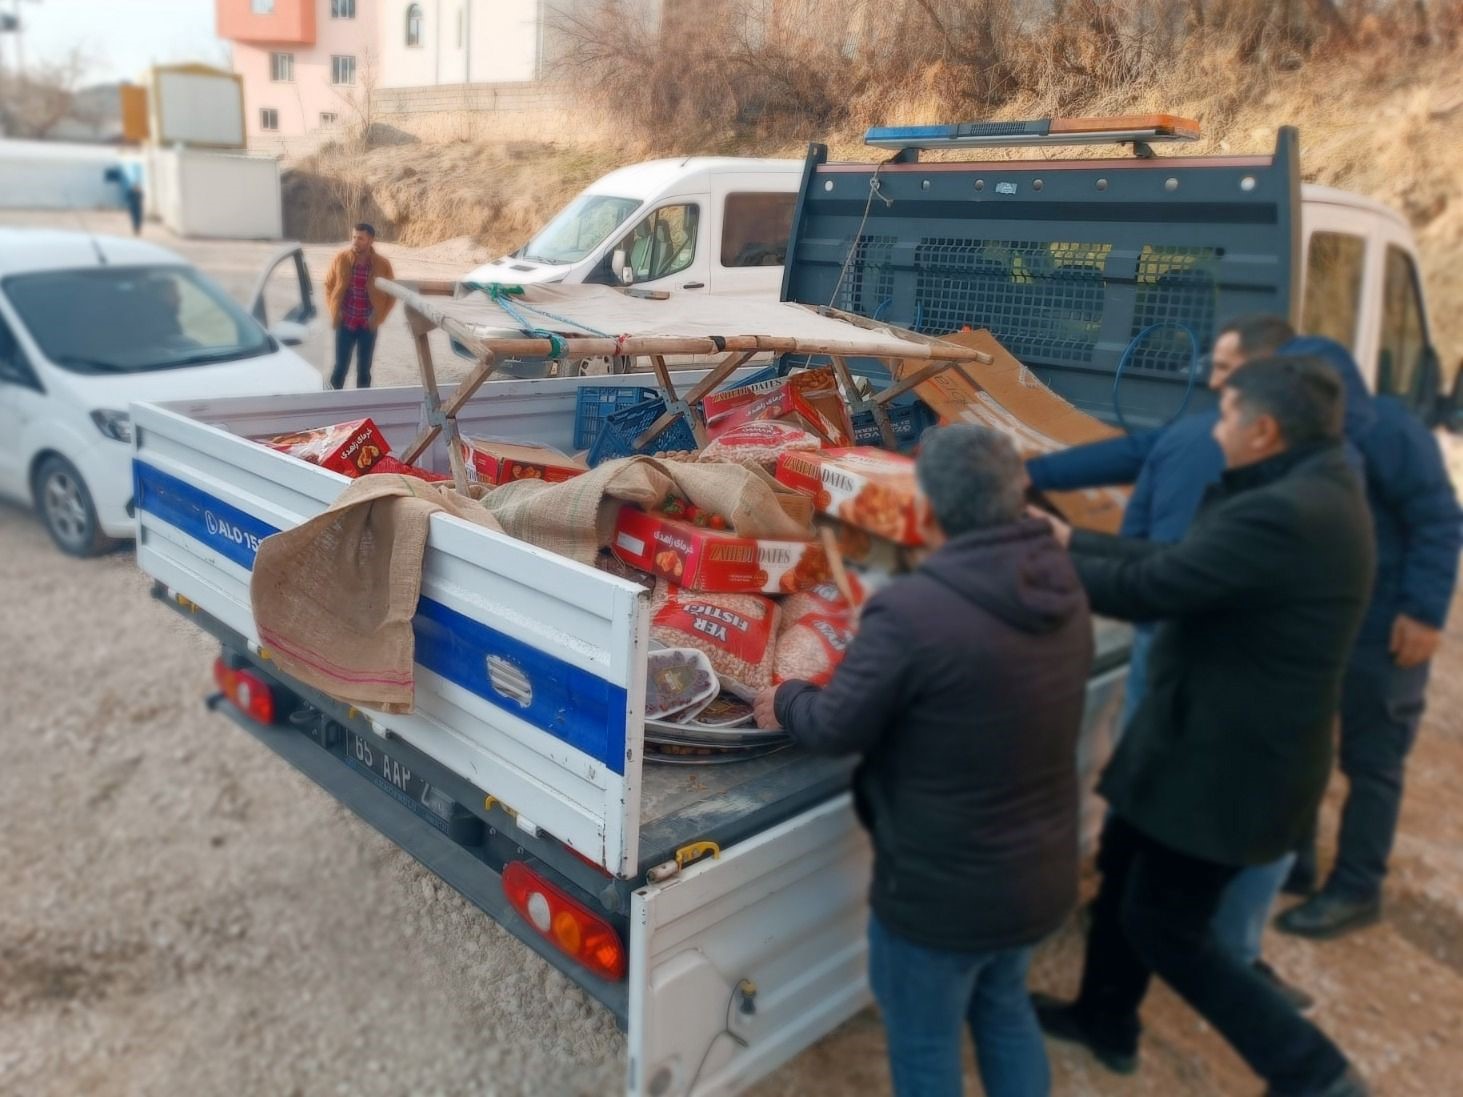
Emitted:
<point x="1394" y="132"/>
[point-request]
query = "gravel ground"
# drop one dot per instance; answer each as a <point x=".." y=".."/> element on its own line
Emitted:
<point x="185" y="914"/>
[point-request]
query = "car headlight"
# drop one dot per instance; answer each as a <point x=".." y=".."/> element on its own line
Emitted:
<point x="116" y="425"/>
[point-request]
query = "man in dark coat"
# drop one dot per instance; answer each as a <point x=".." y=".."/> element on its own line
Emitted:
<point x="1229" y="752"/>
<point x="1419" y="530"/>
<point x="964" y="692"/>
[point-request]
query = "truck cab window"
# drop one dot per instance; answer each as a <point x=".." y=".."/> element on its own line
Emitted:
<point x="664" y="243"/>
<point x="1334" y="265"/>
<point x="755" y="228"/>
<point x="1403" y="344"/>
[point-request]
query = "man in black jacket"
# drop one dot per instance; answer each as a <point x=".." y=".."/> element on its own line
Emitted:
<point x="964" y="693"/>
<point x="1229" y="752"/>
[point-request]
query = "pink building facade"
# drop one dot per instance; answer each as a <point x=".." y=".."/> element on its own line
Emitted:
<point x="307" y="64"/>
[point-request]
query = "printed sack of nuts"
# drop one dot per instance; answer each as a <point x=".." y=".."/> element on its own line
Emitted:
<point x="737" y="632"/>
<point x="810" y="649"/>
<point x="758" y="445"/>
<point x="823" y="600"/>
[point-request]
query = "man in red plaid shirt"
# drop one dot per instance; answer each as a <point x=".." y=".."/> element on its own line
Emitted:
<point x="357" y="307"/>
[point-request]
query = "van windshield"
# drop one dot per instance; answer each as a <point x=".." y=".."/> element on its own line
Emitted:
<point x="582" y="226"/>
<point x="133" y="319"/>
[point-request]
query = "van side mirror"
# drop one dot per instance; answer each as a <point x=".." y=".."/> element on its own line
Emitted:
<point x="620" y="267"/>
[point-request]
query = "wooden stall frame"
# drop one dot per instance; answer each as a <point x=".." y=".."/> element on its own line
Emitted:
<point x="735" y="351"/>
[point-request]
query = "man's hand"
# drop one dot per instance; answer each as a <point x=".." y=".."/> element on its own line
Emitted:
<point x="1060" y="530"/>
<point x="1413" y="643"/>
<point x="765" y="709"/>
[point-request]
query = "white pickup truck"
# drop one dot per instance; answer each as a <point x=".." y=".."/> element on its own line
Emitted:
<point x="718" y="911"/>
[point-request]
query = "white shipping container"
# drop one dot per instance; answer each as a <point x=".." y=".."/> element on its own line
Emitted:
<point x="223" y="195"/>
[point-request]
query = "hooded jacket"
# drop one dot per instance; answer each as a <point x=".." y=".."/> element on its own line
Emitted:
<point x="1415" y="513"/>
<point x="964" y="692"/>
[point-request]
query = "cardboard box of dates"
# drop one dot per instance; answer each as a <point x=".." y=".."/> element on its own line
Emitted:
<point x="703" y="558"/>
<point x="497" y="462"/>
<point x="348" y="448"/>
<point x="870" y="489"/>
<point x="809" y="400"/>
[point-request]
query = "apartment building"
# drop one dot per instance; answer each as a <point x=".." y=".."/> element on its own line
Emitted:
<point x="309" y="64"/>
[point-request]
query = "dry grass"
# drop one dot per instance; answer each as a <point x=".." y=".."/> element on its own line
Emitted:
<point x="1376" y="92"/>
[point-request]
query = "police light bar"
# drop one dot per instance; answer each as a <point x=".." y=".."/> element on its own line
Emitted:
<point x="1136" y="128"/>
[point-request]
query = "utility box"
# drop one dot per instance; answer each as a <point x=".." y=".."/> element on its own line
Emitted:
<point x="210" y="193"/>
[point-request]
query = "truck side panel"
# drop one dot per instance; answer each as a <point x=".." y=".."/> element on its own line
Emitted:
<point x="565" y="754"/>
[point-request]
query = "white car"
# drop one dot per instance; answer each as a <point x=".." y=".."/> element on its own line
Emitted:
<point x="90" y="324"/>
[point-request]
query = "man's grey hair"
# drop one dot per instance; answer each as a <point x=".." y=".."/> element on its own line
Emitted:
<point x="972" y="477"/>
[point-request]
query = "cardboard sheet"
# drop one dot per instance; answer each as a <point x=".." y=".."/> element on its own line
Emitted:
<point x="1010" y="398"/>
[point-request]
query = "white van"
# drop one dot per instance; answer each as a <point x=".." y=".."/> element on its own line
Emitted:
<point x="699" y="224"/>
<point x="90" y="324"/>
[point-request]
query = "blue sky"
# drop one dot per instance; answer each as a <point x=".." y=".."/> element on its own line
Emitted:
<point x="120" y="39"/>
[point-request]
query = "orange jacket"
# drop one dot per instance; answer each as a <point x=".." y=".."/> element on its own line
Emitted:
<point x="338" y="284"/>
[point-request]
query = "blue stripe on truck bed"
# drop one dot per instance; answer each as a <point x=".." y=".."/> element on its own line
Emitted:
<point x="571" y="704"/>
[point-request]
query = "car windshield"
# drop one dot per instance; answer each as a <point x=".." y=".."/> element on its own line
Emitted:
<point x="582" y="226"/>
<point x="133" y="319"/>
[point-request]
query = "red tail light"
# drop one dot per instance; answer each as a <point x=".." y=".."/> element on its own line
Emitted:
<point x="578" y="933"/>
<point x="246" y="691"/>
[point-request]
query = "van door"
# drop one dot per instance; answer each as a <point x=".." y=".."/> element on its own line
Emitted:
<point x="21" y="401"/>
<point x="667" y="248"/>
<point x="752" y="218"/>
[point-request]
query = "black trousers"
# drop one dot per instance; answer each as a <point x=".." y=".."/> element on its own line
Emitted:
<point x="363" y="340"/>
<point x="134" y="209"/>
<point x="1153" y="916"/>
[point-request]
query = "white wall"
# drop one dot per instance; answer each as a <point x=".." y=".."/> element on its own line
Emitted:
<point x="504" y="41"/>
<point x="499" y="42"/>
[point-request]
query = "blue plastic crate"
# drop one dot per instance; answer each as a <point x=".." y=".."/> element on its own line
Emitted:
<point x="617" y="437"/>
<point x="908" y="420"/>
<point x="597" y="402"/>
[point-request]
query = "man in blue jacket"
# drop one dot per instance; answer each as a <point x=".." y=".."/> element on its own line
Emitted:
<point x="1168" y="468"/>
<point x="1419" y="530"/>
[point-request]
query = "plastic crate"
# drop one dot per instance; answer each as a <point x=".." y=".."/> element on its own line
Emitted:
<point x="909" y="421"/>
<point x="617" y="437"/>
<point x="597" y="402"/>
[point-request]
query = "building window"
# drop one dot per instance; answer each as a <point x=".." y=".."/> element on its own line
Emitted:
<point x="268" y="118"/>
<point x="414" y="25"/>
<point x="282" y="67"/>
<point x="262" y="7"/>
<point x="342" y="69"/>
<point x="342" y="9"/>
<point x="328" y="118"/>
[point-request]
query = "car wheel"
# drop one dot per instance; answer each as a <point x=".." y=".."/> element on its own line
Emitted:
<point x="66" y="508"/>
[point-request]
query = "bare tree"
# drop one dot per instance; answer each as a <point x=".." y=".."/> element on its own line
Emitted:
<point x="39" y="99"/>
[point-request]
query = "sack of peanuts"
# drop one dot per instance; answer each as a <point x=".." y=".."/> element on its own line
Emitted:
<point x="737" y="632"/>
<point x="810" y="649"/>
<point x="758" y="444"/>
<point x="823" y="600"/>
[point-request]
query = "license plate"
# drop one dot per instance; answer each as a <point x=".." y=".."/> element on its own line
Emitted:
<point x="394" y="777"/>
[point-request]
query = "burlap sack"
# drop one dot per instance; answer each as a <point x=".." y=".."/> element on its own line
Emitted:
<point x="577" y="517"/>
<point x="334" y="597"/>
